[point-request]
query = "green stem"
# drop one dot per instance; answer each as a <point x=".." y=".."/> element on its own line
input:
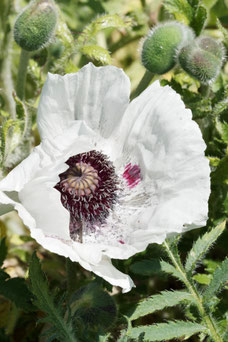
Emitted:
<point x="22" y="73"/>
<point x="145" y="81"/>
<point x="123" y="42"/>
<point x="5" y="60"/>
<point x="205" y="90"/>
<point x="143" y="3"/>
<point x="207" y="318"/>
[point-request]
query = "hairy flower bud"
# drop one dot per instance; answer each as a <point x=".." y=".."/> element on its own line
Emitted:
<point x="161" y="46"/>
<point x="202" y="59"/>
<point x="35" y="26"/>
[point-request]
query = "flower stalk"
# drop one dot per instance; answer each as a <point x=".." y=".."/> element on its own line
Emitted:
<point x="22" y="73"/>
<point x="145" y="81"/>
<point x="208" y="320"/>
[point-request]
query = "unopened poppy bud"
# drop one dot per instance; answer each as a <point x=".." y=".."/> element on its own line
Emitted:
<point x="35" y="26"/>
<point x="160" y="48"/>
<point x="202" y="59"/>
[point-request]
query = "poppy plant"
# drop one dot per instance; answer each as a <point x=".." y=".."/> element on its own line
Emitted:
<point x="109" y="177"/>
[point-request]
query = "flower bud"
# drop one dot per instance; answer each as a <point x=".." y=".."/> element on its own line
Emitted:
<point x="202" y="59"/>
<point x="35" y="26"/>
<point x="161" y="46"/>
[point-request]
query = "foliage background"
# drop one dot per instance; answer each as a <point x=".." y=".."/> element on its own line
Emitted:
<point x="83" y="35"/>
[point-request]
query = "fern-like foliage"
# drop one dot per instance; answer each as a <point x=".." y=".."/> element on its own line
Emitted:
<point x="61" y="329"/>
<point x="201" y="246"/>
<point x="201" y="320"/>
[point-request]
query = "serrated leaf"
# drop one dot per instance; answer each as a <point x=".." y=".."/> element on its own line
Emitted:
<point x="20" y="108"/>
<point x="45" y="302"/>
<point x="201" y="246"/>
<point x="159" y="302"/>
<point x="10" y="136"/>
<point x="220" y="107"/>
<point x="201" y="278"/>
<point x="199" y="20"/>
<point x="93" y="306"/>
<point x="166" y="267"/>
<point x="155" y="266"/>
<point x="220" y="278"/>
<point x="167" y="331"/>
<point x="220" y="175"/>
<point x="224" y="32"/>
<point x="98" y="53"/>
<point x="3" y="250"/>
<point x="16" y="290"/>
<point x="223" y="130"/>
<point x="181" y="10"/>
<point x="101" y="23"/>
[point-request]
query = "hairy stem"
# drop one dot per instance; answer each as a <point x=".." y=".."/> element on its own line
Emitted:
<point x="208" y="320"/>
<point x="5" y="60"/>
<point x="205" y="90"/>
<point x="22" y="73"/>
<point x="145" y="81"/>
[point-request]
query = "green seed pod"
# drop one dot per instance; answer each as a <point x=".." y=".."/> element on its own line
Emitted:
<point x="35" y="26"/>
<point x="202" y="59"/>
<point x="161" y="46"/>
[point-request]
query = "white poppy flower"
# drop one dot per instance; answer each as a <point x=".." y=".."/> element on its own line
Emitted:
<point x="109" y="177"/>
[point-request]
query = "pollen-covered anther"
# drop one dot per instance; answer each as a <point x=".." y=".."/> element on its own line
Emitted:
<point x="81" y="180"/>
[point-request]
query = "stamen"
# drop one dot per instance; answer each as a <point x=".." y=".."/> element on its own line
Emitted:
<point x="132" y="175"/>
<point x="88" y="191"/>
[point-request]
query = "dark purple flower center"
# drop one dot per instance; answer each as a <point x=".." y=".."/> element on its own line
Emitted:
<point x="88" y="190"/>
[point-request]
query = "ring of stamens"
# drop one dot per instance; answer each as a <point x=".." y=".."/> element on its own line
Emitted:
<point x="82" y="179"/>
<point x="89" y="189"/>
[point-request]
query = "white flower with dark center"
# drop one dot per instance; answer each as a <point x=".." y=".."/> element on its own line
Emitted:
<point x="109" y="177"/>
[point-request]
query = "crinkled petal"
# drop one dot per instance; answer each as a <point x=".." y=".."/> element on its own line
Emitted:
<point x="16" y="179"/>
<point x="102" y="266"/>
<point x="99" y="96"/>
<point x="158" y="133"/>
<point x="106" y="270"/>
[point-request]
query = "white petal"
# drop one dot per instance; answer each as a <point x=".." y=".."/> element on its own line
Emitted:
<point x="15" y="181"/>
<point x="98" y="96"/>
<point x="158" y="133"/>
<point x="106" y="270"/>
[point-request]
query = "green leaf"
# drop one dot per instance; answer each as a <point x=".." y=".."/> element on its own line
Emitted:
<point x="93" y="306"/>
<point x="155" y="266"/>
<point x="181" y="10"/>
<point x="220" y="175"/>
<point x="159" y="302"/>
<point x="3" y="250"/>
<point x="98" y="53"/>
<point x="101" y="23"/>
<point x="220" y="107"/>
<point x="45" y="302"/>
<point x="199" y="20"/>
<point x="167" y="331"/>
<point x="224" y="32"/>
<point x="201" y="247"/>
<point x="16" y="290"/>
<point x="10" y="136"/>
<point x="166" y="267"/>
<point x="201" y="278"/>
<point x="220" y="278"/>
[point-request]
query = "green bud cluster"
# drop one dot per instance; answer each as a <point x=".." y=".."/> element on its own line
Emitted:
<point x="202" y="59"/>
<point x="162" y="45"/>
<point x="35" y="26"/>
